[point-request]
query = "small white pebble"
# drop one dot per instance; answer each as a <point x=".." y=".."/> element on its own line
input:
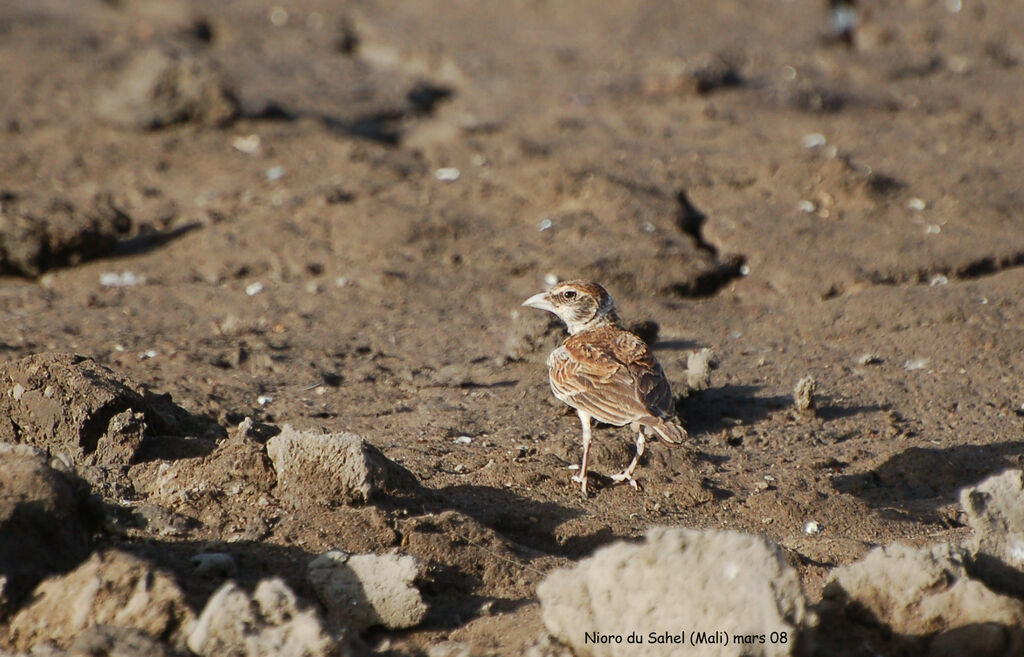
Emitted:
<point x="744" y="270"/>
<point x="813" y="140"/>
<point x="341" y="281"/>
<point x="954" y="6"/>
<point x="648" y="227"/>
<point x="463" y="440"/>
<point x="938" y="279"/>
<point x="933" y="229"/>
<point x="574" y="466"/>
<point x="263" y="400"/>
<point x="275" y="173"/>
<point x="124" y="279"/>
<point x="805" y="206"/>
<point x="550" y="279"/>
<point x="17" y="391"/>
<point x="147" y="354"/>
<point x="447" y="174"/>
<point x="813" y="527"/>
<point x="916" y="363"/>
<point x="249" y="144"/>
<point x="545" y="224"/>
<point x="254" y="288"/>
<point x="916" y="204"/>
<point x="278" y="16"/>
<point x="983" y="301"/>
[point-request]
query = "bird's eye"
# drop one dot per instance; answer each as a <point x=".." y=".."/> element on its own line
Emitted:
<point x="569" y="295"/>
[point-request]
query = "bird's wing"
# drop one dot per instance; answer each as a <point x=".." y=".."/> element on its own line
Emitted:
<point x="611" y="375"/>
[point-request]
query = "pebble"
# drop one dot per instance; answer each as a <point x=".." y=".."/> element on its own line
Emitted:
<point x="813" y="140"/>
<point x="254" y="288"/>
<point x="916" y="363"/>
<point x="813" y="527"/>
<point x="938" y="279"/>
<point x="215" y="564"/>
<point x="447" y="174"/>
<point x="147" y="354"/>
<point x="805" y="206"/>
<point x="545" y="224"/>
<point x="463" y="440"/>
<point x="249" y="144"/>
<point x="916" y="204"/>
<point x="263" y="400"/>
<point x="550" y="279"/>
<point x="124" y="279"/>
<point x="275" y="173"/>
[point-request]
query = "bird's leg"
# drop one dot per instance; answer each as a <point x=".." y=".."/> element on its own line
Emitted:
<point x="581" y="476"/>
<point x="627" y="474"/>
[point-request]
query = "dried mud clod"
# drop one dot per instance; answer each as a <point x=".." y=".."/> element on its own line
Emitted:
<point x="111" y="588"/>
<point x="36" y="237"/>
<point x="159" y="88"/>
<point x="627" y="587"/>
<point x="364" y="590"/>
<point x="803" y="394"/>
<point x="698" y="370"/>
<point x="337" y="468"/>
<point x="72" y="405"/>
<point x="47" y="520"/>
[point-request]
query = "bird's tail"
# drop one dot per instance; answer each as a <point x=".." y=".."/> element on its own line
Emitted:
<point x="669" y="431"/>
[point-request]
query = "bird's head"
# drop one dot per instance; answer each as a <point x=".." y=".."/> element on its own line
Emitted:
<point x="582" y="305"/>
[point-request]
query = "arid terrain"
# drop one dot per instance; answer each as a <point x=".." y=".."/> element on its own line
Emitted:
<point x="326" y="215"/>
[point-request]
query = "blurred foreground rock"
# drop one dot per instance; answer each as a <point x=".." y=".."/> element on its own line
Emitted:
<point x="676" y="580"/>
<point x="159" y="88"/>
<point x="927" y="596"/>
<point x="331" y="468"/>
<point x="45" y="521"/>
<point x="112" y="588"/>
<point x="364" y="590"/>
<point x="995" y="511"/>
<point x="266" y="623"/>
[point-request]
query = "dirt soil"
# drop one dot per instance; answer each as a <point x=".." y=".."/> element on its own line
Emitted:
<point x="338" y="234"/>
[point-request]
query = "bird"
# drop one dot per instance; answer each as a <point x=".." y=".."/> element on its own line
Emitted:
<point x="606" y="373"/>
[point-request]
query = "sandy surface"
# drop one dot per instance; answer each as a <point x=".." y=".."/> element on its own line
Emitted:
<point x="723" y="168"/>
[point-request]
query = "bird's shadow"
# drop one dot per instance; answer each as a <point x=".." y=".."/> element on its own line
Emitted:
<point x="715" y="409"/>
<point x="917" y="482"/>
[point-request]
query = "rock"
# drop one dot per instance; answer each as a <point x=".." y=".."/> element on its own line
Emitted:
<point x="677" y="579"/>
<point x="803" y="394"/>
<point x="331" y="468"/>
<point x="58" y="233"/>
<point x="995" y="511"/>
<point x="71" y="405"/>
<point x="111" y="588"/>
<point x="214" y="564"/>
<point x="926" y="595"/>
<point x="46" y="519"/>
<point x="267" y="623"/>
<point x="159" y="88"/>
<point x="364" y="590"/>
<point x="698" y="369"/>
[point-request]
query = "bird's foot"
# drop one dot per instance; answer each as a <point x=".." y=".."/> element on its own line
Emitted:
<point x="581" y="479"/>
<point x="626" y="476"/>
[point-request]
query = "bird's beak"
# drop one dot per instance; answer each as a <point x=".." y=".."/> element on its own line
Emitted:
<point x="540" y="301"/>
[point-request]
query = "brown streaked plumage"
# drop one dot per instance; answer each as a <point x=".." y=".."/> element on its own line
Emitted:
<point x="605" y="372"/>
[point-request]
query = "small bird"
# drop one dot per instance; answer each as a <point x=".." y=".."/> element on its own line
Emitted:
<point x="605" y="372"/>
